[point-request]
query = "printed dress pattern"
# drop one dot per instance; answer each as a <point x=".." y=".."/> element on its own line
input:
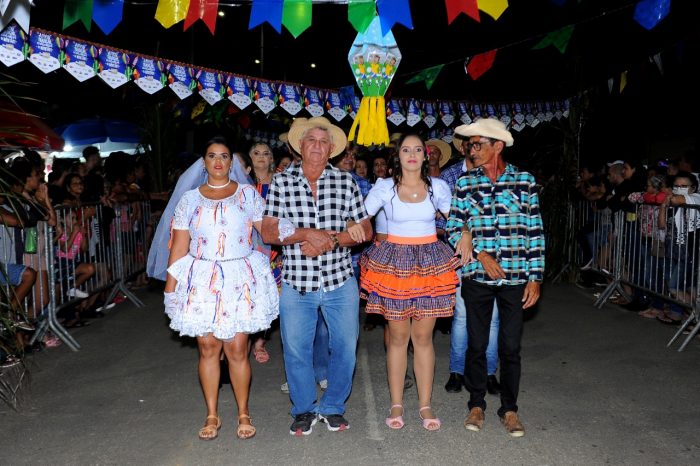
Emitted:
<point x="224" y="286"/>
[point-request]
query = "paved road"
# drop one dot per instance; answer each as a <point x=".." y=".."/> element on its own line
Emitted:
<point x="598" y="387"/>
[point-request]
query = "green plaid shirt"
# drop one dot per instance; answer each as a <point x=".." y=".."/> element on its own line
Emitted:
<point x="504" y="220"/>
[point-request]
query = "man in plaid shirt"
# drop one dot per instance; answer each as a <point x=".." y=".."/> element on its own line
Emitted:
<point x="495" y="216"/>
<point x="312" y="204"/>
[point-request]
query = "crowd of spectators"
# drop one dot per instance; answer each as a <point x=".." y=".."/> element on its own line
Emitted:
<point x="655" y="209"/>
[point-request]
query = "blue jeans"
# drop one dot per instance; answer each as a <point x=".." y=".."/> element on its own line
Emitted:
<point x="298" y="321"/>
<point x="321" y="354"/>
<point x="459" y="339"/>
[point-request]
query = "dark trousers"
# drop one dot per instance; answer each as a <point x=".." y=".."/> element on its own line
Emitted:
<point x="479" y="299"/>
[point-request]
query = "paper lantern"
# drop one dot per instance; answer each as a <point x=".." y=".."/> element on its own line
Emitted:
<point x="374" y="58"/>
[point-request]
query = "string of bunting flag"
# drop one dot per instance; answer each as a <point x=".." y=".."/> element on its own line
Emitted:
<point x="83" y="60"/>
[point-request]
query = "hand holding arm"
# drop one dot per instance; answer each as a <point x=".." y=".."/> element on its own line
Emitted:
<point x="492" y="268"/>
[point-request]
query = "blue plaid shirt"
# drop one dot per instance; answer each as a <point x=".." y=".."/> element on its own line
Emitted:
<point x="362" y="183"/>
<point x="504" y="220"/>
<point x="450" y="175"/>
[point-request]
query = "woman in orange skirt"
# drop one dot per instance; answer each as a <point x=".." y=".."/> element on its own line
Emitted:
<point x="410" y="278"/>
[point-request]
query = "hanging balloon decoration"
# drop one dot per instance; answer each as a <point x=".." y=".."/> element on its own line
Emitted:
<point x="374" y="58"/>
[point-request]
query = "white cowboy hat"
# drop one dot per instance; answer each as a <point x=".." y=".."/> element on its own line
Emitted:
<point x="299" y="126"/>
<point x="487" y="127"/>
<point x="445" y="149"/>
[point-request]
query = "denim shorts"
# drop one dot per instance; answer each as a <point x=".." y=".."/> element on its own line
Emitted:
<point x="11" y="274"/>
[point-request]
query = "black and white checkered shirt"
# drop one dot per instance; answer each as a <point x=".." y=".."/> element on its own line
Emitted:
<point x="339" y="201"/>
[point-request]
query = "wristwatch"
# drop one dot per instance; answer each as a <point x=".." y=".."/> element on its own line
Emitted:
<point x="336" y="243"/>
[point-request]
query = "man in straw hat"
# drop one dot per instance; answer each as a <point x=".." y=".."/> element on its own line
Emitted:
<point x="439" y="153"/>
<point x="495" y="217"/>
<point x="458" y="332"/>
<point x="308" y="208"/>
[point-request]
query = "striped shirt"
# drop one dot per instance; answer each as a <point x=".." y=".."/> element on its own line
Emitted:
<point x="339" y="200"/>
<point x="504" y="220"/>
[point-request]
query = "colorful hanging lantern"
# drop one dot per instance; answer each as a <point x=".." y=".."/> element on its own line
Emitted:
<point x="374" y="58"/>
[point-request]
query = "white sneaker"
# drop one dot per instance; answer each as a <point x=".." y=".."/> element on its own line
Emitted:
<point x="76" y="293"/>
<point x="284" y="387"/>
<point x="323" y="384"/>
<point x="105" y="308"/>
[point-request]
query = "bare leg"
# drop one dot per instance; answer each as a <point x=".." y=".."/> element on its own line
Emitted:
<point x="209" y="373"/>
<point x="396" y="361"/>
<point x="22" y="290"/>
<point x="239" y="371"/>
<point x="424" y="362"/>
<point x="83" y="272"/>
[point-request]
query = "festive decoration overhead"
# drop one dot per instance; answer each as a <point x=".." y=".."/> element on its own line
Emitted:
<point x="480" y="64"/>
<point x="374" y="58"/>
<point x="493" y="8"/>
<point x="361" y="13"/>
<point x="429" y="75"/>
<point x="170" y="12"/>
<point x="107" y="14"/>
<point x="468" y="7"/>
<point x="559" y="39"/>
<point x="267" y="10"/>
<point x="77" y="10"/>
<point x="649" y="13"/>
<point x="206" y="10"/>
<point x="392" y="12"/>
<point x="19" y="11"/>
<point x="296" y="16"/>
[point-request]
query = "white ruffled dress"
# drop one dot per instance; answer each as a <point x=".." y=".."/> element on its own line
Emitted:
<point x="224" y="286"/>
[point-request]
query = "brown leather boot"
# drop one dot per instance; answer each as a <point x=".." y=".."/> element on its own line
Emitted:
<point x="512" y="424"/>
<point x="475" y="420"/>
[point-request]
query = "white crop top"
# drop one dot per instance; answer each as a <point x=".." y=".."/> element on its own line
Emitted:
<point x="409" y="219"/>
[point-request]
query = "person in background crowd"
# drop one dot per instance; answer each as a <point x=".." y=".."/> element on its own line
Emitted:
<point x="284" y="161"/>
<point x="507" y="240"/>
<point x="218" y="288"/>
<point x="682" y="242"/>
<point x="361" y="167"/>
<point x="263" y="169"/>
<point x="380" y="167"/>
<point x="458" y="332"/>
<point x="439" y="153"/>
<point x="410" y="278"/>
<point x="316" y="201"/>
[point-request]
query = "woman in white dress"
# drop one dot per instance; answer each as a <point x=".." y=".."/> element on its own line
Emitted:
<point x="219" y="289"/>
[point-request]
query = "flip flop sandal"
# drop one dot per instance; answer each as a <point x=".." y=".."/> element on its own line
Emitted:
<point x="210" y="431"/>
<point x="245" y="431"/>
<point x="261" y="355"/>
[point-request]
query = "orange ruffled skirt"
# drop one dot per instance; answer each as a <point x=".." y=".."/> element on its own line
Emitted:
<point x="409" y="278"/>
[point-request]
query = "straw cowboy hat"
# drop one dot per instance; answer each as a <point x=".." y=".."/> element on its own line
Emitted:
<point x="487" y="127"/>
<point x="299" y="126"/>
<point x="445" y="149"/>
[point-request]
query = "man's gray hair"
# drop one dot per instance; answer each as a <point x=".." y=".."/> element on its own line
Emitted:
<point x="322" y="128"/>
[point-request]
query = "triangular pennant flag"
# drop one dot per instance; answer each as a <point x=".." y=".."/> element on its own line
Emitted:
<point x="480" y="64"/>
<point x="206" y="10"/>
<point x="429" y="75"/>
<point x="19" y="11"/>
<point x="3" y="6"/>
<point x="170" y="12"/>
<point x="296" y="16"/>
<point x="107" y="14"/>
<point x="623" y="81"/>
<point x="493" y="8"/>
<point x="361" y="13"/>
<point x="468" y="7"/>
<point x="266" y="10"/>
<point x="559" y="39"/>
<point x="648" y="13"/>
<point x="611" y="81"/>
<point x="659" y="64"/>
<point x="77" y="10"/>
<point x="392" y="12"/>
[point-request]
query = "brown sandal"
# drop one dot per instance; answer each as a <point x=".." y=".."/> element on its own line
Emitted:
<point x="210" y="431"/>
<point x="245" y="431"/>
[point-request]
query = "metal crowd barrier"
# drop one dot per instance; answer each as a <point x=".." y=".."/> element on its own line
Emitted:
<point x="632" y="249"/>
<point x="92" y="249"/>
